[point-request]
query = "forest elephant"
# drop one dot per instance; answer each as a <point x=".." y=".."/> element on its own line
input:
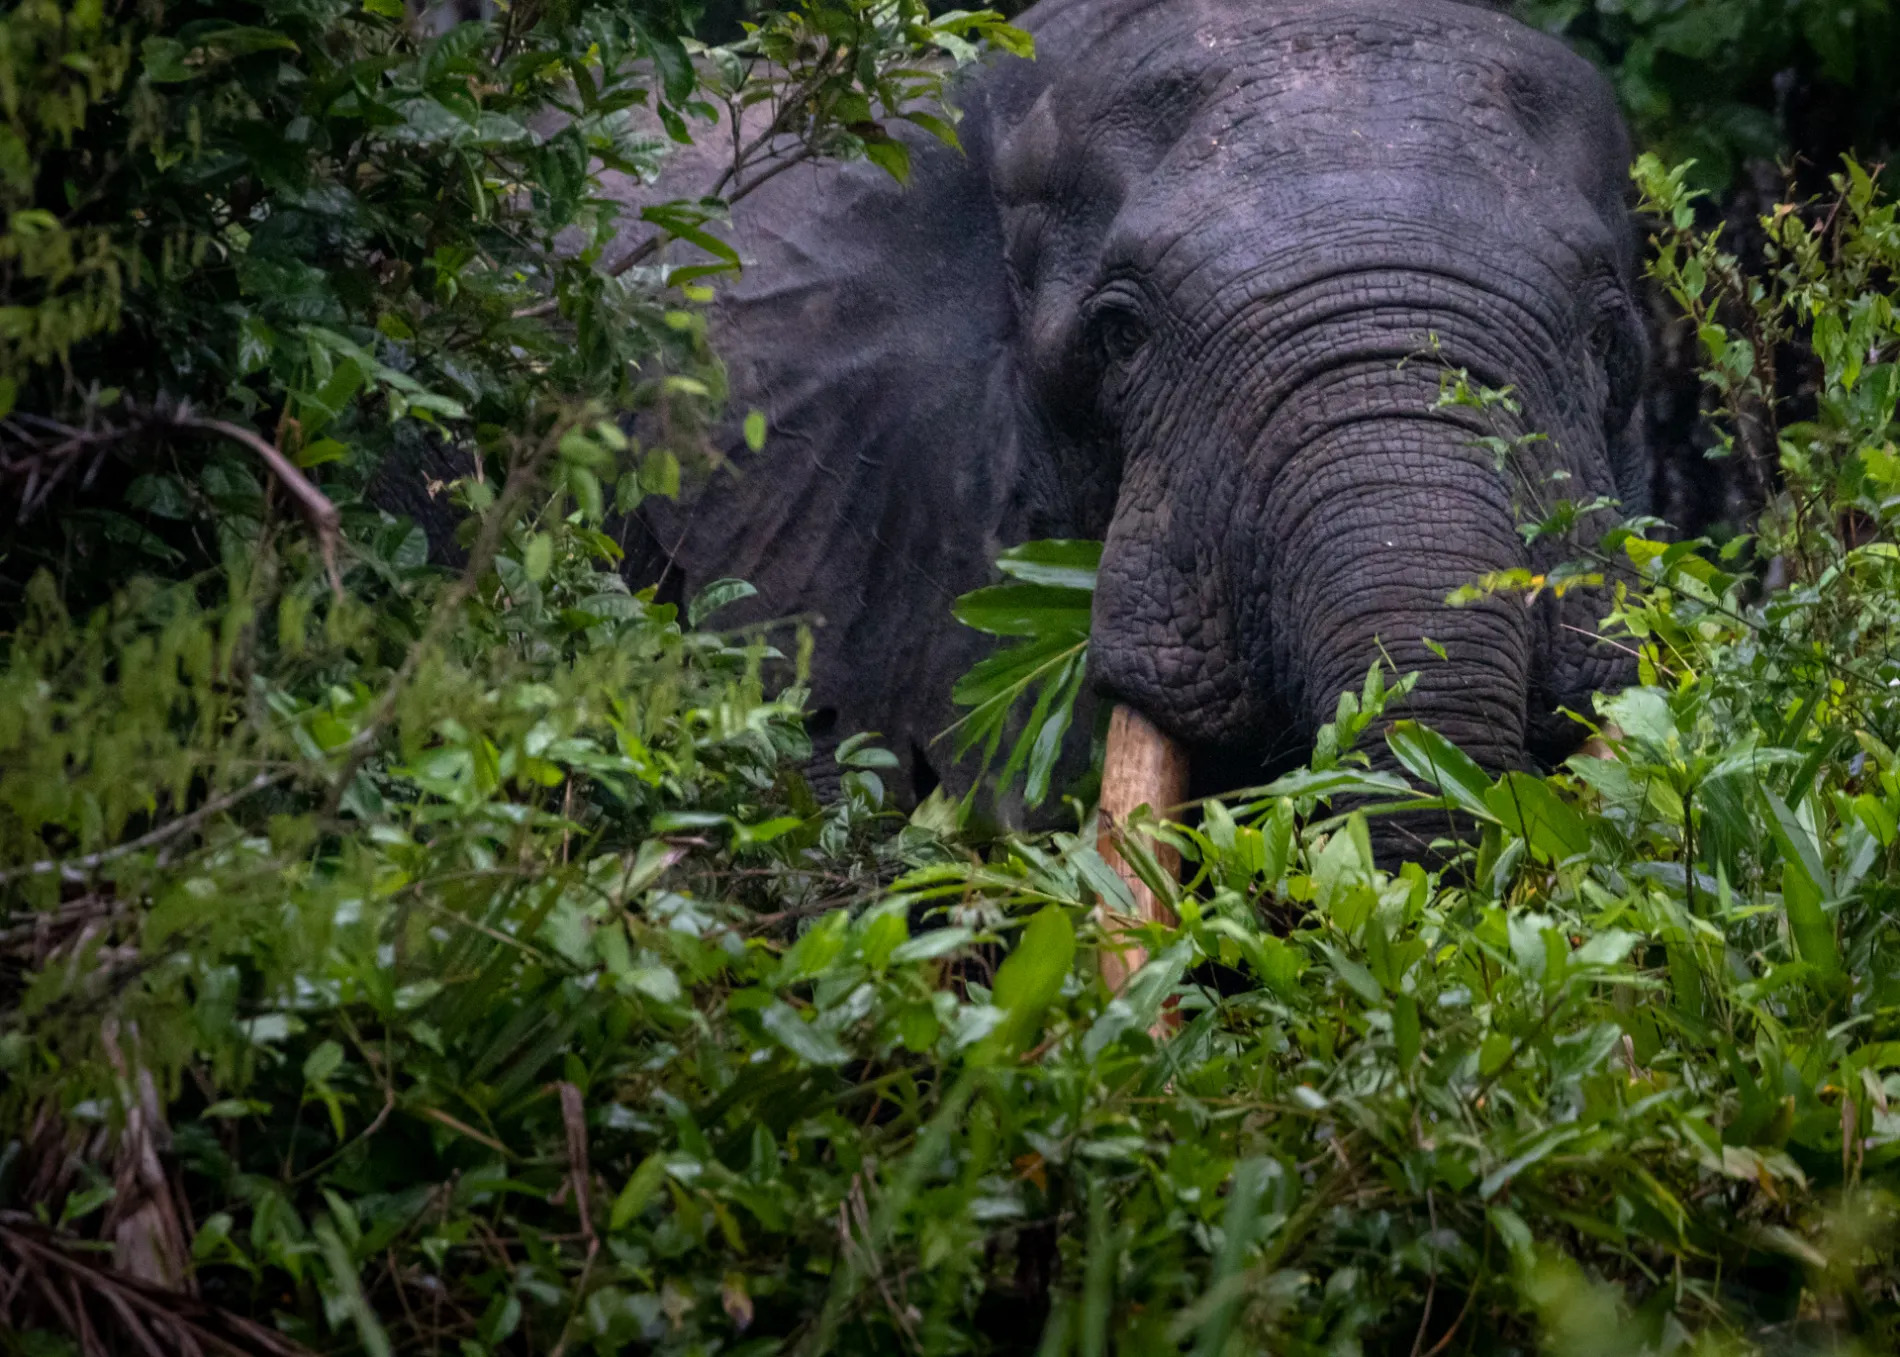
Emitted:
<point x="1191" y="287"/>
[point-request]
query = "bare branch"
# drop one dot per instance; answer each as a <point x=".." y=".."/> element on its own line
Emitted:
<point x="78" y="871"/>
<point x="31" y="1248"/>
<point x="43" y="452"/>
<point x="322" y="515"/>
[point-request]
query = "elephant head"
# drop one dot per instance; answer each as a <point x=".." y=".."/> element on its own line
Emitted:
<point x="1191" y="287"/>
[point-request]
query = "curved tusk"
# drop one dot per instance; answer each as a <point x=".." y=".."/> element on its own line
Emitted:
<point x="1143" y="767"/>
<point x="1602" y="745"/>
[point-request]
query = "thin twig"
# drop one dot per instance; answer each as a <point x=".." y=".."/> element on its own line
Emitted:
<point x="458" y="1125"/>
<point x="480" y="557"/>
<point x="325" y="521"/>
<point x="48" y="463"/>
<point x="43" y="1253"/>
<point x="381" y="1119"/>
<point x="77" y="871"/>
<point x="1431" y="1289"/>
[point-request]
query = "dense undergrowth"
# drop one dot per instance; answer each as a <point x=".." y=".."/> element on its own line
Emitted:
<point x="514" y="996"/>
<point x="406" y="960"/>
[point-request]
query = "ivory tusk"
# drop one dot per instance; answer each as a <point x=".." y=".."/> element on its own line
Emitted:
<point x="1602" y="745"/>
<point x="1142" y="767"/>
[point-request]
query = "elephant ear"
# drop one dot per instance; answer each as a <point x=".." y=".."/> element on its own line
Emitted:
<point x="872" y="326"/>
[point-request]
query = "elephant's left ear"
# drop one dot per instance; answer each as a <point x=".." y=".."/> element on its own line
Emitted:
<point x="873" y="327"/>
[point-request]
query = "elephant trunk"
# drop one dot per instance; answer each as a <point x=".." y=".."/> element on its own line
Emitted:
<point x="1372" y="524"/>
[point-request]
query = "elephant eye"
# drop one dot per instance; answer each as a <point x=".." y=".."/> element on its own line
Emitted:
<point x="1117" y="329"/>
<point x="1616" y="337"/>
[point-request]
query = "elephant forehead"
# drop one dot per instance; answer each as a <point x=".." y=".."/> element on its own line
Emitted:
<point x="1248" y="88"/>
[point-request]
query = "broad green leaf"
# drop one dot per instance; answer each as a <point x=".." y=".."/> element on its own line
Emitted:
<point x="1026" y="610"/>
<point x="936" y="942"/>
<point x="640" y="1188"/>
<point x="1058" y="564"/>
<point x="1527" y="806"/>
<point x="1542" y="1146"/>
<point x="1431" y="757"/>
<point x="719" y="594"/>
<point x="1031" y="976"/>
<point x="322" y="1062"/>
<point x="1803" y="894"/>
<point x="1138" y="1007"/>
<point x="1642" y="713"/>
<point x="538" y="558"/>
<point x="803" y="1039"/>
<point x="1406" y="1032"/>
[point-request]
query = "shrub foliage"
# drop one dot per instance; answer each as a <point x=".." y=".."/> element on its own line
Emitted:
<point x="397" y="958"/>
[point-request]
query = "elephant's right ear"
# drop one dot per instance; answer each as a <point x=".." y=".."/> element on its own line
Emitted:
<point x="873" y="326"/>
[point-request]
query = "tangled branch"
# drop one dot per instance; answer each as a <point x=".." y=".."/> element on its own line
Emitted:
<point x="41" y="454"/>
<point x="42" y="1278"/>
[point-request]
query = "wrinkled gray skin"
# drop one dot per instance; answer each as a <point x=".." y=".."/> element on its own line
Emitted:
<point x="1178" y="294"/>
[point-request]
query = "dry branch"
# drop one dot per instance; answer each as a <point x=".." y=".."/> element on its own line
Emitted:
<point x="40" y="454"/>
<point x="43" y="1277"/>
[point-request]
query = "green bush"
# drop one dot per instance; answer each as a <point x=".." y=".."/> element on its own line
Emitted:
<point x="499" y="987"/>
<point x="412" y="959"/>
<point x="1724" y="81"/>
<point x="315" y="234"/>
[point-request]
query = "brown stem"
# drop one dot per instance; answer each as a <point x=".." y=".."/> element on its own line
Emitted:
<point x="54" y="462"/>
<point x="321" y="514"/>
<point x="78" y="870"/>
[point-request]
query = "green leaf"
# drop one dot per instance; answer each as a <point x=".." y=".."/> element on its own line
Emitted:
<point x="1432" y="758"/>
<point x="640" y="1189"/>
<point x="235" y="1107"/>
<point x="322" y="1062"/>
<point x="679" y="821"/>
<point x="1031" y="977"/>
<point x="660" y="473"/>
<point x="1026" y="610"/>
<point x="1802" y="891"/>
<point x="84" y="1202"/>
<point x="893" y="157"/>
<point x="1010" y="39"/>
<point x="675" y="66"/>
<point x="934" y="125"/>
<point x="1059" y="564"/>
<point x="1239" y="1226"/>
<point x="935" y="943"/>
<point x="538" y="558"/>
<point x="804" y="1040"/>
<point x="321" y="451"/>
<point x="719" y="594"/>
<point x="1528" y="807"/>
<point x="1541" y="1147"/>
<point x="348" y="1289"/>
<point x="1304" y="782"/>
<point x="164" y="61"/>
<point x="162" y="496"/>
<point x="238" y="39"/>
<point x="1356" y="977"/>
<point x="755" y="430"/>
<point x="859" y="752"/>
<point x="1406" y="1035"/>
<point x="1643" y="713"/>
<point x="1138" y="1007"/>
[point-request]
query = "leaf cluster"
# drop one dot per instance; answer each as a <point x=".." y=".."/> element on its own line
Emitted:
<point x="1726" y="81"/>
